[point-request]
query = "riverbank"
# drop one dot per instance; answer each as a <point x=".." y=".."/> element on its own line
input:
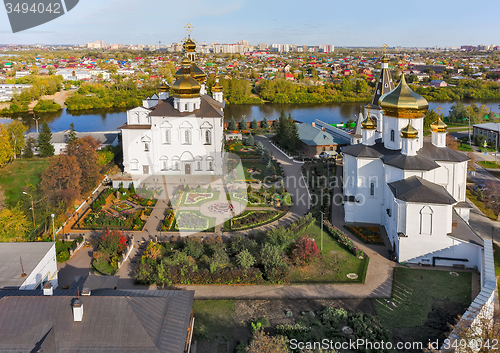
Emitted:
<point x="59" y="97"/>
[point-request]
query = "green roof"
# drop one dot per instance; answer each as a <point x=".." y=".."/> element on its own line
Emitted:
<point x="312" y="136"/>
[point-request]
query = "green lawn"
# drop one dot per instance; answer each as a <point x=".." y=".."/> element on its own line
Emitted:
<point x="19" y="174"/>
<point x="488" y="164"/>
<point x="420" y="294"/>
<point x="212" y="318"/>
<point x="465" y="147"/>
<point x="249" y="175"/>
<point x="496" y="256"/>
<point x="335" y="264"/>
<point x="252" y="154"/>
<point x="487" y="211"/>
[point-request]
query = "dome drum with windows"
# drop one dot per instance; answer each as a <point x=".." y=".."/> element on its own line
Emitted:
<point x="403" y="102"/>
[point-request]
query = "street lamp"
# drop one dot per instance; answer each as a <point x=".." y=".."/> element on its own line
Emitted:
<point x="32" y="208"/>
<point x="322" y="213"/>
<point x="53" y="228"/>
<point x="36" y="122"/>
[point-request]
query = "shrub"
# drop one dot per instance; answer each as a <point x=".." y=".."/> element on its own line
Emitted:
<point x="194" y="247"/>
<point x="305" y="251"/>
<point x="198" y="189"/>
<point x="271" y="256"/>
<point x="245" y="259"/>
<point x="132" y="188"/>
<point x="331" y="316"/>
<point x="112" y="242"/>
<point x="263" y="343"/>
<point x="210" y="189"/>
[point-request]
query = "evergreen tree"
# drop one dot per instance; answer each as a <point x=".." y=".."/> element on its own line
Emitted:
<point x="264" y="124"/>
<point x="260" y="148"/>
<point x="250" y="141"/>
<point x="132" y="188"/>
<point x="265" y="157"/>
<point x="28" y="148"/>
<point x="72" y="133"/>
<point x="45" y="148"/>
<point x="243" y="124"/>
<point x="254" y="125"/>
<point x="232" y="124"/>
<point x="287" y="133"/>
<point x="270" y="171"/>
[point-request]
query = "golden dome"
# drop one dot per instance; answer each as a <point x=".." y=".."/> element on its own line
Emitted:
<point x="369" y="124"/>
<point x="186" y="86"/>
<point x="402" y="102"/>
<point x="217" y="87"/>
<point x="409" y="132"/>
<point x="189" y="45"/>
<point x="164" y="87"/>
<point x="198" y="73"/>
<point x="439" y="126"/>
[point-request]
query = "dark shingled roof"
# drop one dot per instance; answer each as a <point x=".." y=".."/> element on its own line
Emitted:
<point x="384" y="78"/>
<point x="94" y="282"/>
<point x="416" y="189"/>
<point x="209" y="108"/>
<point x="463" y="231"/>
<point x="410" y="162"/>
<point x="424" y="160"/>
<point x="113" y="321"/>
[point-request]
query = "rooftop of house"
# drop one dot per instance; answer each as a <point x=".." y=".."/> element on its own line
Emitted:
<point x="105" y="137"/>
<point x="489" y="126"/>
<point x="313" y="136"/>
<point x="113" y="321"/>
<point x="16" y="257"/>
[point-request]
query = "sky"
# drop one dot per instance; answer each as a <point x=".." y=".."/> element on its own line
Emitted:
<point x="424" y="23"/>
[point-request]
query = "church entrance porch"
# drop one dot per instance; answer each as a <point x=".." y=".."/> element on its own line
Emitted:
<point x="187" y="169"/>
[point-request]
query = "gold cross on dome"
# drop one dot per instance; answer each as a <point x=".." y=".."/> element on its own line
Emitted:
<point x="188" y="28"/>
<point x="385" y="48"/>
<point x="439" y="109"/>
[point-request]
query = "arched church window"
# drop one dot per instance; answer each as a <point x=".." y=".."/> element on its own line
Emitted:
<point x="386" y="85"/>
<point x="146" y="146"/>
<point x="392" y="135"/>
<point x="207" y="137"/>
<point x="176" y="165"/>
<point x="164" y="165"/>
<point x="372" y="189"/>
<point x="210" y="166"/>
<point x="198" y="165"/>
<point x="167" y="136"/>
<point x="187" y="137"/>
<point x="134" y="164"/>
<point x="186" y="107"/>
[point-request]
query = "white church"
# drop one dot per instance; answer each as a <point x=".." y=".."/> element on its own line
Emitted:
<point x="178" y="134"/>
<point x="414" y="188"/>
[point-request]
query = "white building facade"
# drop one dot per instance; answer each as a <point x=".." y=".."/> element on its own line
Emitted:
<point x="415" y="189"/>
<point x="180" y="134"/>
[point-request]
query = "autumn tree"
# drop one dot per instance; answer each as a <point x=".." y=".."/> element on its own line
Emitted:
<point x="13" y="224"/>
<point x="6" y="150"/>
<point x="61" y="180"/>
<point x="16" y="131"/>
<point x="85" y="151"/>
<point x="45" y="148"/>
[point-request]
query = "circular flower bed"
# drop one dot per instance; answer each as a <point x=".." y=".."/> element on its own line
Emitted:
<point x="247" y="149"/>
<point x="254" y="170"/>
<point x="220" y="208"/>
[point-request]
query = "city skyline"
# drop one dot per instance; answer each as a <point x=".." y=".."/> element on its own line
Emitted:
<point x="223" y="21"/>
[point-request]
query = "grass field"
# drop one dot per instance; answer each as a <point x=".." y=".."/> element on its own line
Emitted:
<point x="465" y="147"/>
<point x="487" y="211"/>
<point x="334" y="265"/>
<point x="18" y="174"/>
<point x="488" y="164"/>
<point x="212" y="317"/>
<point x="426" y="299"/>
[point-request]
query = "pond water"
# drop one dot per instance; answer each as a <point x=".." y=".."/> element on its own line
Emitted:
<point x="111" y="119"/>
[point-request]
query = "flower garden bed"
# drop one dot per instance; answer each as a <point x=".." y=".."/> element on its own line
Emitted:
<point x="343" y="239"/>
<point x="220" y="208"/>
<point x="122" y="206"/>
<point x="252" y="219"/>
<point x="192" y="221"/>
<point x="149" y="202"/>
<point x="369" y="235"/>
<point x="104" y="219"/>
<point x="198" y="198"/>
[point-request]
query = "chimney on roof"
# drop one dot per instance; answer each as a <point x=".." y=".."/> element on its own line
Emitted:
<point x="85" y="291"/>
<point x="47" y="289"/>
<point x="313" y="124"/>
<point x="77" y="310"/>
